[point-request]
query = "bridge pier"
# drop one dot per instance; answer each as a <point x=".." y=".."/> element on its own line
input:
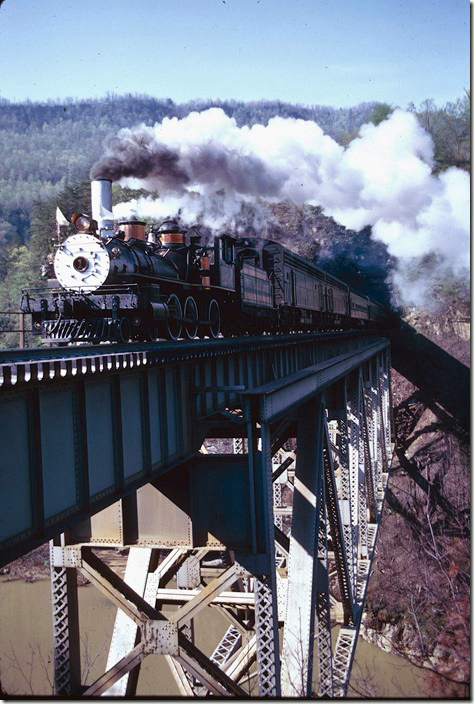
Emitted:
<point x="339" y="413"/>
<point x="297" y="653"/>
<point x="67" y="667"/>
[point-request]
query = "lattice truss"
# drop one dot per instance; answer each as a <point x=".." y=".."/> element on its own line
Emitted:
<point x="334" y="529"/>
<point x="324" y="505"/>
<point x="141" y="628"/>
<point x="154" y="617"/>
<point x="357" y="457"/>
<point x="61" y="630"/>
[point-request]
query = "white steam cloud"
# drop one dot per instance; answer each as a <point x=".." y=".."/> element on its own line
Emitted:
<point x="208" y="169"/>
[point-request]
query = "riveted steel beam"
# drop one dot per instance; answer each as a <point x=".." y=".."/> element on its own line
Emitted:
<point x="243" y="660"/>
<point x="67" y="665"/>
<point x="278" y="397"/>
<point x="204" y="596"/>
<point x="116" y="589"/>
<point x="204" y="670"/>
<point x="124" y="416"/>
<point x="297" y="655"/>
<point x="183" y="596"/>
<point x="158" y="634"/>
<point x="115" y="673"/>
<point x="226" y="502"/>
<point x="323" y="603"/>
<point x="125" y="632"/>
<point x="31" y="365"/>
<point x="345" y="472"/>
<point x="181" y="677"/>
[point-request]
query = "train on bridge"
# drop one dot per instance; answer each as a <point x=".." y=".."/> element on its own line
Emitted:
<point x="117" y="282"/>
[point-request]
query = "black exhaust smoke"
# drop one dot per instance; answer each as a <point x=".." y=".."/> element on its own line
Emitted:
<point x="139" y="157"/>
<point x="137" y="153"/>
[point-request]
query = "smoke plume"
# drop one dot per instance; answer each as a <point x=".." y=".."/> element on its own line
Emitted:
<point x="207" y="168"/>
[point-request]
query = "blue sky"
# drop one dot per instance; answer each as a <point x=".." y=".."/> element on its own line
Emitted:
<point x="327" y="52"/>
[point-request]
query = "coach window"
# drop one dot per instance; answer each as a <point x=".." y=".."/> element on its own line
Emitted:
<point x="293" y="288"/>
<point x="330" y="299"/>
<point x="321" y="296"/>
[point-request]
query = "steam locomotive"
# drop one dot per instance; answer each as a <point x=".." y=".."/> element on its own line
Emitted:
<point x="118" y="283"/>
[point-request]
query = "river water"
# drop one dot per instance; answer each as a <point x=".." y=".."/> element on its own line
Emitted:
<point x="26" y="648"/>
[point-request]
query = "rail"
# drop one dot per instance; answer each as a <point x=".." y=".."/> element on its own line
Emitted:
<point x="35" y="363"/>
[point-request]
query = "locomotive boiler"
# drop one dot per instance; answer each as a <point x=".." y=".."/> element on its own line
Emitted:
<point x="113" y="281"/>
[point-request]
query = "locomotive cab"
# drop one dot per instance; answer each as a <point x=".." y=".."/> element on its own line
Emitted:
<point x="223" y="271"/>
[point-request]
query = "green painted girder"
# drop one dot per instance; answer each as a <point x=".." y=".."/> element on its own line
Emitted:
<point x="81" y="428"/>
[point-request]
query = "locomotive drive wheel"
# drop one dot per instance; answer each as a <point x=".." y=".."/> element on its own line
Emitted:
<point x="173" y="325"/>
<point x="125" y="330"/>
<point x="191" y="317"/>
<point x="154" y="332"/>
<point x="213" y="318"/>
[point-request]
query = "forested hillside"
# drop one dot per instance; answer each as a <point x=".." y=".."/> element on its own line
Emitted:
<point x="44" y="146"/>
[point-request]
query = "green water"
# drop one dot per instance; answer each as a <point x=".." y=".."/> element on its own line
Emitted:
<point x="26" y="648"/>
<point x="378" y="674"/>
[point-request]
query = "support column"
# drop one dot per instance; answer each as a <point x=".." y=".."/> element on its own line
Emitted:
<point x="323" y="614"/>
<point x="182" y="677"/>
<point x="356" y="458"/>
<point x="266" y="601"/>
<point x="298" y="639"/>
<point x="124" y="636"/>
<point x="348" y="499"/>
<point x="367" y="436"/>
<point x="66" y="640"/>
<point x="336" y="530"/>
<point x="374" y="427"/>
<point x="267" y="638"/>
<point x="385" y="400"/>
<point x="363" y="481"/>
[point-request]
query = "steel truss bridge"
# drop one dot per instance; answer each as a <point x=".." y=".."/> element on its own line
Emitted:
<point x="102" y="447"/>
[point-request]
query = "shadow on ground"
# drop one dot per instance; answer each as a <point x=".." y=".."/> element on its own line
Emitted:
<point x="442" y="380"/>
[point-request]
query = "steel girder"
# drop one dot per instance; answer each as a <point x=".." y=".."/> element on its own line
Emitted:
<point x="82" y="427"/>
<point x="160" y="631"/>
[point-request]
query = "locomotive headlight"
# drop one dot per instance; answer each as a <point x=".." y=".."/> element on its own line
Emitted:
<point x="82" y="262"/>
<point x="83" y="223"/>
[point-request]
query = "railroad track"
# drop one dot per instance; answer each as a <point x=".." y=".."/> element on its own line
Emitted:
<point x="39" y="364"/>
